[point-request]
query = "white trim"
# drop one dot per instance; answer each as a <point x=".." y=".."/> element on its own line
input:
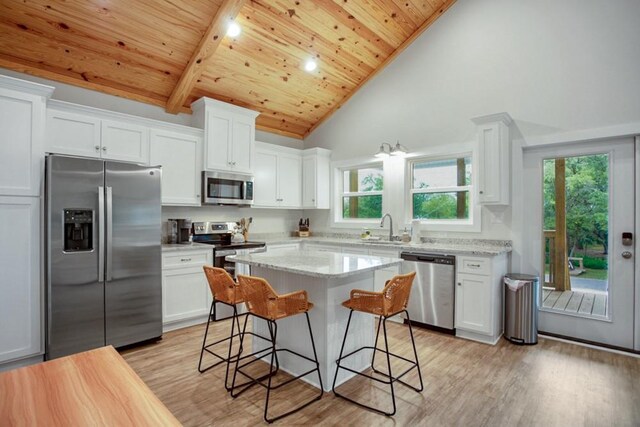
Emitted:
<point x="594" y="347"/>
<point x="493" y="118"/>
<point x="338" y="168"/>
<point x="471" y="225"/>
<point x="636" y="279"/>
<point x="106" y="114"/>
<point x="583" y="135"/>
<point x="24" y="86"/>
<point x="219" y="105"/>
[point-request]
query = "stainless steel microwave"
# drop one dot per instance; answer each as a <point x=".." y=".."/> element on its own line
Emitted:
<point x="222" y="188"/>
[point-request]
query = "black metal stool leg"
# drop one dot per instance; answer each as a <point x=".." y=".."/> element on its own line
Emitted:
<point x="273" y="331"/>
<point x="375" y="346"/>
<point x="204" y="340"/>
<point x="315" y="355"/>
<point x="234" y="320"/>
<point x="386" y="347"/>
<point x="235" y="371"/>
<point x="344" y="340"/>
<point x="415" y="354"/>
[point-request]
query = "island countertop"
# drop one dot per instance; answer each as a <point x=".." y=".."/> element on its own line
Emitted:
<point x="316" y="264"/>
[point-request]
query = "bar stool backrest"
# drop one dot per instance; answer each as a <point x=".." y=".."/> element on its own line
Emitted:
<point x="221" y="284"/>
<point x="396" y="293"/>
<point x="258" y="294"/>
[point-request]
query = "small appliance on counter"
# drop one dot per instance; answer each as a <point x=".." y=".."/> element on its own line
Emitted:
<point x="303" y="228"/>
<point x="172" y="231"/>
<point x="184" y="231"/>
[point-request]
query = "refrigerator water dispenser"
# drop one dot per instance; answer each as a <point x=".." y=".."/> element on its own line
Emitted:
<point x="78" y="230"/>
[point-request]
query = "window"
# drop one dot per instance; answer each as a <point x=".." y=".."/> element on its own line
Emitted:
<point x="361" y="192"/>
<point x="441" y="189"/>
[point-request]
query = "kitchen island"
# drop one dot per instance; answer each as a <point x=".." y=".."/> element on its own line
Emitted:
<point x="328" y="278"/>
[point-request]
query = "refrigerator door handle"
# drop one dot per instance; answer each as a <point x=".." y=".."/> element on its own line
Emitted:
<point x="109" y="237"/>
<point x="101" y="234"/>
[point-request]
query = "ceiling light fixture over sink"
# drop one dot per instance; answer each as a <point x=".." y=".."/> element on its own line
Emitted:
<point x="399" y="150"/>
<point x="233" y="29"/>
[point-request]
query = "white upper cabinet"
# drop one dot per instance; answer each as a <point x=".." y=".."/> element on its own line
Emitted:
<point x="315" y="178"/>
<point x="89" y="132"/>
<point x="22" y="122"/>
<point x="73" y="134"/>
<point x="124" y="141"/>
<point x="229" y="135"/>
<point x="494" y="160"/>
<point x="278" y="177"/>
<point x="265" y="187"/>
<point x="179" y="154"/>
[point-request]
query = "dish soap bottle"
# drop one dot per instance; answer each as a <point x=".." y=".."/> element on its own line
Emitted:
<point x="406" y="236"/>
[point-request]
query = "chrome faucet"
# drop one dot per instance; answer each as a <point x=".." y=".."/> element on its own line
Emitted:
<point x="390" y="225"/>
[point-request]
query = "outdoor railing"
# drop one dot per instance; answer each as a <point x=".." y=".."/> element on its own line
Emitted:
<point x="549" y="241"/>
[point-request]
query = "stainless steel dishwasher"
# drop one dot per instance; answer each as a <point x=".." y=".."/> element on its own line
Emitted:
<point x="433" y="292"/>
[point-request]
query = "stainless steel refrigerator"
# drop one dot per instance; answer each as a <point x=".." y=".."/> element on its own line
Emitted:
<point x="103" y="260"/>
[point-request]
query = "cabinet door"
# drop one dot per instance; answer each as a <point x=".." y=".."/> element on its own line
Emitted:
<point x="309" y="182"/>
<point x="289" y="180"/>
<point x="489" y="177"/>
<point x="265" y="187"/>
<point x="20" y="289"/>
<point x="71" y="133"/>
<point x="473" y="303"/>
<point x="242" y="144"/>
<point x="125" y="142"/>
<point x="179" y="156"/>
<point x="218" y="142"/>
<point x="22" y="147"/>
<point x="184" y="294"/>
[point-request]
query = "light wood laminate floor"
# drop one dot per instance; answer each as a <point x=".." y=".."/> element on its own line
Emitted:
<point x="466" y="383"/>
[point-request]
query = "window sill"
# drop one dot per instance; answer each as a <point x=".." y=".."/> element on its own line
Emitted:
<point x="355" y="224"/>
<point x="463" y="227"/>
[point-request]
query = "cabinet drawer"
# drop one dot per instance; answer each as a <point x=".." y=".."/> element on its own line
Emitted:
<point x="185" y="259"/>
<point x="474" y="265"/>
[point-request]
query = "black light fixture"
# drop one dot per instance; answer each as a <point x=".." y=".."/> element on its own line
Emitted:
<point x="387" y="150"/>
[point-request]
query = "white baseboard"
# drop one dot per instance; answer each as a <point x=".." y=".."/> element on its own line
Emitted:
<point x="172" y="326"/>
<point x="473" y="336"/>
<point x="21" y="363"/>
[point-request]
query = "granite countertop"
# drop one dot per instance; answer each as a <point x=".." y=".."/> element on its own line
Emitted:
<point x="328" y="265"/>
<point x="442" y="246"/>
<point x="168" y="247"/>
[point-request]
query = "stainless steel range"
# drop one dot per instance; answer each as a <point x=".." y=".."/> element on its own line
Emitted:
<point x="220" y="236"/>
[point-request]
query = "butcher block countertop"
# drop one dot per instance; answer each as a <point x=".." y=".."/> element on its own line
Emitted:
<point x="96" y="387"/>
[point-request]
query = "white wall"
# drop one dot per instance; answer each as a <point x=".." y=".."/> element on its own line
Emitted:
<point x="556" y="67"/>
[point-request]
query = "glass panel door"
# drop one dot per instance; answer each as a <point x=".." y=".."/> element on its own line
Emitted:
<point x="581" y="201"/>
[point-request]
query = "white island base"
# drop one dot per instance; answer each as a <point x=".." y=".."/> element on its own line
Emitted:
<point x="328" y="322"/>
<point x="328" y="279"/>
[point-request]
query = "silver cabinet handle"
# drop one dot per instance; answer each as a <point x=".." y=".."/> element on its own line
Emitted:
<point x="481" y="192"/>
<point x="459" y="284"/>
<point x="185" y="259"/>
<point x="626" y="255"/>
<point x="97" y="148"/>
<point x="474" y="265"/>
<point x="109" y="239"/>
<point x="100" y="232"/>
<point x="104" y="148"/>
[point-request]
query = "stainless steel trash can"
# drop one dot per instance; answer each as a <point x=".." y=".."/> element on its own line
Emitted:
<point x="521" y="303"/>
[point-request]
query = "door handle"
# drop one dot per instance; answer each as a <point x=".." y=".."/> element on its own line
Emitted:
<point x="626" y="254"/>
<point x="109" y="226"/>
<point x="100" y="234"/>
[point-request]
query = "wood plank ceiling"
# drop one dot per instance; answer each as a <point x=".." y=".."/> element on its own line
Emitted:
<point x="140" y="49"/>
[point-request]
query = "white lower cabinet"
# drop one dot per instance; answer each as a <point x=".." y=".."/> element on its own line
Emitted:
<point x="186" y="298"/>
<point x="284" y="246"/>
<point x="479" y="296"/>
<point x="21" y="302"/>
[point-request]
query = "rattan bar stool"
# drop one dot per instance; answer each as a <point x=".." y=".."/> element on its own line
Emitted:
<point x="224" y="290"/>
<point x="264" y="303"/>
<point x="390" y="302"/>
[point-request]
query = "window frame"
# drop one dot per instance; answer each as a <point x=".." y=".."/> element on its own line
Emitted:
<point x="338" y="194"/>
<point x="471" y="224"/>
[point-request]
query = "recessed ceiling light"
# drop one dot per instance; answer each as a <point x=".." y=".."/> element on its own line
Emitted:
<point x="310" y="65"/>
<point x="233" y="30"/>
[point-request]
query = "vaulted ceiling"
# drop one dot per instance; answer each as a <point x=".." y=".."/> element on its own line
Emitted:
<point x="170" y="52"/>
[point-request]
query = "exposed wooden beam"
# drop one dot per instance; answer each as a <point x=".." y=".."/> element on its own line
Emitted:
<point x="426" y="24"/>
<point x="205" y="50"/>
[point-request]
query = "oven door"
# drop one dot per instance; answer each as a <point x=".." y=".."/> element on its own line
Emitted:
<point x="227" y="189"/>
<point x="220" y="261"/>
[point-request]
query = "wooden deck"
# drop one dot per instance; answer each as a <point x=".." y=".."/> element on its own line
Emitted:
<point x="584" y="303"/>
